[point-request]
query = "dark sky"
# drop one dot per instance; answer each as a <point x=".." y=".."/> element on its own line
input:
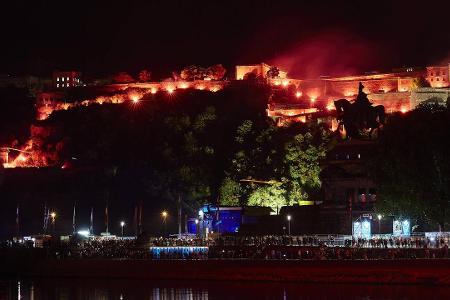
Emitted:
<point x="308" y="38"/>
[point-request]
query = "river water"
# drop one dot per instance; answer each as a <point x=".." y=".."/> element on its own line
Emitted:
<point x="52" y="288"/>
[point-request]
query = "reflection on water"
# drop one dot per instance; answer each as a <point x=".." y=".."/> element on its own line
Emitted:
<point x="168" y="290"/>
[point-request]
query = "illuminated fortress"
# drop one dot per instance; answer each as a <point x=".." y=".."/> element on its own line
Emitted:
<point x="292" y="100"/>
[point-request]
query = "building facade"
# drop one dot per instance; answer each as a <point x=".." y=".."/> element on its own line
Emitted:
<point x="438" y="76"/>
<point x="66" y="79"/>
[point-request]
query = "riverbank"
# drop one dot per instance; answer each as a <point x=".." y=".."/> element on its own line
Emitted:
<point x="419" y="271"/>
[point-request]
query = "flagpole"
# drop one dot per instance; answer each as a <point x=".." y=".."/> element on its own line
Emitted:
<point x="179" y="216"/>
<point x="91" y="227"/>
<point x="140" y="218"/>
<point x="74" y="218"/>
<point x="135" y="221"/>
<point x="106" y="218"/>
<point x="17" y="222"/>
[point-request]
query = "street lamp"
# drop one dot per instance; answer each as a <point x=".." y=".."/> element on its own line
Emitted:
<point x="379" y="223"/>
<point x="53" y="216"/>
<point x="122" y="224"/>
<point x="196" y="227"/>
<point x="288" y="217"/>
<point x="164" y="215"/>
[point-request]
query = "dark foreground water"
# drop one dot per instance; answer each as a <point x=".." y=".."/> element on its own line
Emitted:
<point x="164" y="290"/>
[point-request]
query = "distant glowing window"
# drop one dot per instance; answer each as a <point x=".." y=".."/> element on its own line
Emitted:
<point x="62" y="78"/>
<point x="57" y="78"/>
<point x="67" y="78"/>
<point x="57" y="85"/>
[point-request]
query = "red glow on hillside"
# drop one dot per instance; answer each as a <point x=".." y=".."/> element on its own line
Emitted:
<point x="332" y="53"/>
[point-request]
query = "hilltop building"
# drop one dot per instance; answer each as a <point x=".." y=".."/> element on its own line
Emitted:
<point x="438" y="76"/>
<point x="66" y="79"/>
<point x="259" y="70"/>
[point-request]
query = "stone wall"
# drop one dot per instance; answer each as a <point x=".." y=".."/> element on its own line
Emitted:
<point x="420" y="95"/>
<point x="392" y="102"/>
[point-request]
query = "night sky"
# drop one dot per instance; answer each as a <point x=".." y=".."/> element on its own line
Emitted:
<point x="308" y="38"/>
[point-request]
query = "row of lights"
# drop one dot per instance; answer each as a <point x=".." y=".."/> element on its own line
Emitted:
<point x="164" y="215"/>
<point x="171" y="90"/>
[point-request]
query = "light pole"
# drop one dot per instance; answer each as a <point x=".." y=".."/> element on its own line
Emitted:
<point x="122" y="224"/>
<point x="164" y="215"/>
<point x="53" y="216"/>
<point x="196" y="227"/>
<point x="288" y="217"/>
<point x="379" y="223"/>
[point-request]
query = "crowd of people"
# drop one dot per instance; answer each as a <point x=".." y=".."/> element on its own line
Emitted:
<point x="252" y="247"/>
<point x="333" y="241"/>
<point x="176" y="242"/>
<point x="324" y="252"/>
<point x="111" y="248"/>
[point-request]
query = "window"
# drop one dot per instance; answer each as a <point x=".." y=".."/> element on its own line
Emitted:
<point x="431" y="79"/>
<point x="57" y="78"/>
<point x="62" y="78"/>
<point x="57" y="85"/>
<point x="67" y="78"/>
<point x="362" y="195"/>
<point x="372" y="195"/>
<point x="437" y="79"/>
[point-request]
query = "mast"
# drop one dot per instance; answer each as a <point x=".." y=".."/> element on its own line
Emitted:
<point x="74" y="218"/>
<point x="179" y="216"/>
<point x="91" y="226"/>
<point x="140" y="218"/>
<point x="135" y="220"/>
<point x="17" y="221"/>
<point x="106" y="218"/>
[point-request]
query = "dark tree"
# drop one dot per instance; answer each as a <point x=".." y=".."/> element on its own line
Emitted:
<point x="273" y="72"/>
<point x="216" y="72"/>
<point x="193" y="73"/>
<point x="410" y="165"/>
<point x="123" y="77"/>
<point x="144" y="76"/>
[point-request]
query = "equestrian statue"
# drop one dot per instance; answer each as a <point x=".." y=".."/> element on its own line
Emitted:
<point x="360" y="117"/>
